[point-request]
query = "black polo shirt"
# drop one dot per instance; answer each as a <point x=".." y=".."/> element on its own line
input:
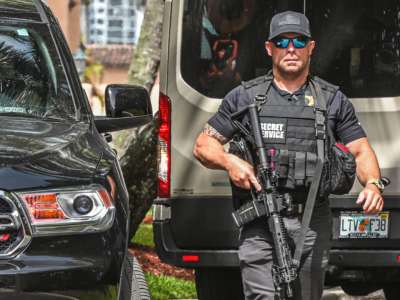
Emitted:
<point x="341" y="114"/>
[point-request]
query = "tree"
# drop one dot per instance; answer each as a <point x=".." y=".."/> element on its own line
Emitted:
<point x="146" y="57"/>
<point x="139" y="162"/>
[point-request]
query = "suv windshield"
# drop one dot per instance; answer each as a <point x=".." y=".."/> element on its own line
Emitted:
<point x="357" y="43"/>
<point x="32" y="80"/>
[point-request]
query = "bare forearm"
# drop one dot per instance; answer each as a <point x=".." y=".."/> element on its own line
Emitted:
<point x="367" y="163"/>
<point x="367" y="167"/>
<point x="210" y="152"/>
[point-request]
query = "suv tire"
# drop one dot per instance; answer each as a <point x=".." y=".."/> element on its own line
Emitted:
<point x="219" y="283"/>
<point x="359" y="289"/>
<point x="133" y="284"/>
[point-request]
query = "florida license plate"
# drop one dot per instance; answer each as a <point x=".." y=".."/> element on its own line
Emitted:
<point x="356" y="225"/>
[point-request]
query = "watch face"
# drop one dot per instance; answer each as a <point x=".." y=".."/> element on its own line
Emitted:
<point x="379" y="184"/>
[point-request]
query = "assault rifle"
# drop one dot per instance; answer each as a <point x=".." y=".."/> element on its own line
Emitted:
<point x="284" y="272"/>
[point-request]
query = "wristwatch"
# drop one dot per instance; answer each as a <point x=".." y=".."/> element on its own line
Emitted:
<point x="378" y="183"/>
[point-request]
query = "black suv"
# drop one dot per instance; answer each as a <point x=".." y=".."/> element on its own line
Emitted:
<point x="63" y="201"/>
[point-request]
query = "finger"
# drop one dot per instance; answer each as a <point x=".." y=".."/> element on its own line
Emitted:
<point x="245" y="185"/>
<point x="381" y="205"/>
<point x="372" y="208"/>
<point x="368" y="200"/>
<point x="241" y="182"/>
<point x="378" y="205"/>
<point x="255" y="183"/>
<point x="361" y="197"/>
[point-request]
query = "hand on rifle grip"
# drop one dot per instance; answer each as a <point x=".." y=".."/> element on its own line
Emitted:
<point x="242" y="173"/>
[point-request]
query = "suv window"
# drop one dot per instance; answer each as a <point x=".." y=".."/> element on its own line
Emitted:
<point x="358" y="45"/>
<point x="32" y="79"/>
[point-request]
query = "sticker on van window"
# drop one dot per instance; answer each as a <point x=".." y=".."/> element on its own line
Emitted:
<point x="12" y="110"/>
<point x="182" y="192"/>
<point x="22" y="32"/>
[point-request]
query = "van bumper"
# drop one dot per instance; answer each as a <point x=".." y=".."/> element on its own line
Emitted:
<point x="364" y="258"/>
<point x="169" y="253"/>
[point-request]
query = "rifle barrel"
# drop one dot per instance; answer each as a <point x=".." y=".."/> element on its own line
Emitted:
<point x="255" y="124"/>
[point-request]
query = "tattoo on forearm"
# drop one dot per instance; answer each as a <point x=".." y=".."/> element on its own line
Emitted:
<point x="211" y="131"/>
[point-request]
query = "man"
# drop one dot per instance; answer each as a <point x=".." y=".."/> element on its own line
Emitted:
<point x="290" y="46"/>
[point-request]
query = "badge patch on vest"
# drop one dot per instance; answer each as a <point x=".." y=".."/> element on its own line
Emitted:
<point x="309" y="100"/>
<point x="274" y="130"/>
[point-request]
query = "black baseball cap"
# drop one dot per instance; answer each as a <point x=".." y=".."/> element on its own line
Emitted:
<point x="289" y="21"/>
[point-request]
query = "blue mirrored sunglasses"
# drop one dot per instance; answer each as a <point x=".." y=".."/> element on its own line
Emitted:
<point x="283" y="42"/>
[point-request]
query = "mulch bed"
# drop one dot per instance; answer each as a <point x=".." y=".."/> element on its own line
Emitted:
<point x="148" y="219"/>
<point x="150" y="262"/>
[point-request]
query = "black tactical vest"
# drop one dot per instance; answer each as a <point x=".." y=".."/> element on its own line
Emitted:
<point x="289" y="133"/>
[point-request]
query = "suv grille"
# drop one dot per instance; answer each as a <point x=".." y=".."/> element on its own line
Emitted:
<point x="11" y="229"/>
<point x="5" y="207"/>
<point x="13" y="239"/>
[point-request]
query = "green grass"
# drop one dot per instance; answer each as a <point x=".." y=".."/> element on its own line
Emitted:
<point x="167" y="287"/>
<point x="144" y="235"/>
<point x="163" y="287"/>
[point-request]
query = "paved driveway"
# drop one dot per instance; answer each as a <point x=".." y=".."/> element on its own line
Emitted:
<point x="338" y="294"/>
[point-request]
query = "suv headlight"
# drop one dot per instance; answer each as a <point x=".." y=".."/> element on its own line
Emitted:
<point x="69" y="210"/>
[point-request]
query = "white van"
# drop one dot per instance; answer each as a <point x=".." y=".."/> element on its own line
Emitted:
<point x="209" y="47"/>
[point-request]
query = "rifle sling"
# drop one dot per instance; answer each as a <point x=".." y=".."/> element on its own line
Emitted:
<point x="313" y="192"/>
<point x="308" y="210"/>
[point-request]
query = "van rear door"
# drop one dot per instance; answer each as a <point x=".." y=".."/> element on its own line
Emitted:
<point x="209" y="47"/>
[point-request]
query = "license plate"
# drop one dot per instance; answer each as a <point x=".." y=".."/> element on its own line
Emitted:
<point x="356" y="225"/>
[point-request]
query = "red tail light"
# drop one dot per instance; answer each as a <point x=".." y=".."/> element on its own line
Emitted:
<point x="164" y="147"/>
<point x="190" y="258"/>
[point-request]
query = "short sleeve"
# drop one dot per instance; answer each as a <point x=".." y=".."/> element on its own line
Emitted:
<point x="343" y="120"/>
<point x="233" y="101"/>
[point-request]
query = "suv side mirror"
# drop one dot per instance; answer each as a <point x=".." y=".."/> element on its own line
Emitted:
<point x="127" y="106"/>
<point x="127" y="98"/>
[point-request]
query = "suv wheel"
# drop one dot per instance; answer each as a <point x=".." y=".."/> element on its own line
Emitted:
<point x="133" y="284"/>
<point x="219" y="283"/>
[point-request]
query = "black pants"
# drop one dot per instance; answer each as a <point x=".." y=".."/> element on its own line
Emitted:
<point x="256" y="255"/>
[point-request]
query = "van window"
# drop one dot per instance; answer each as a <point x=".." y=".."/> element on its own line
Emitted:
<point x="32" y="82"/>
<point x="357" y="43"/>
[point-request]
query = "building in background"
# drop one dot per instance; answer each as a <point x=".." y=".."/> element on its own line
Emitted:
<point x="115" y="60"/>
<point x="101" y="33"/>
<point x="113" y="21"/>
